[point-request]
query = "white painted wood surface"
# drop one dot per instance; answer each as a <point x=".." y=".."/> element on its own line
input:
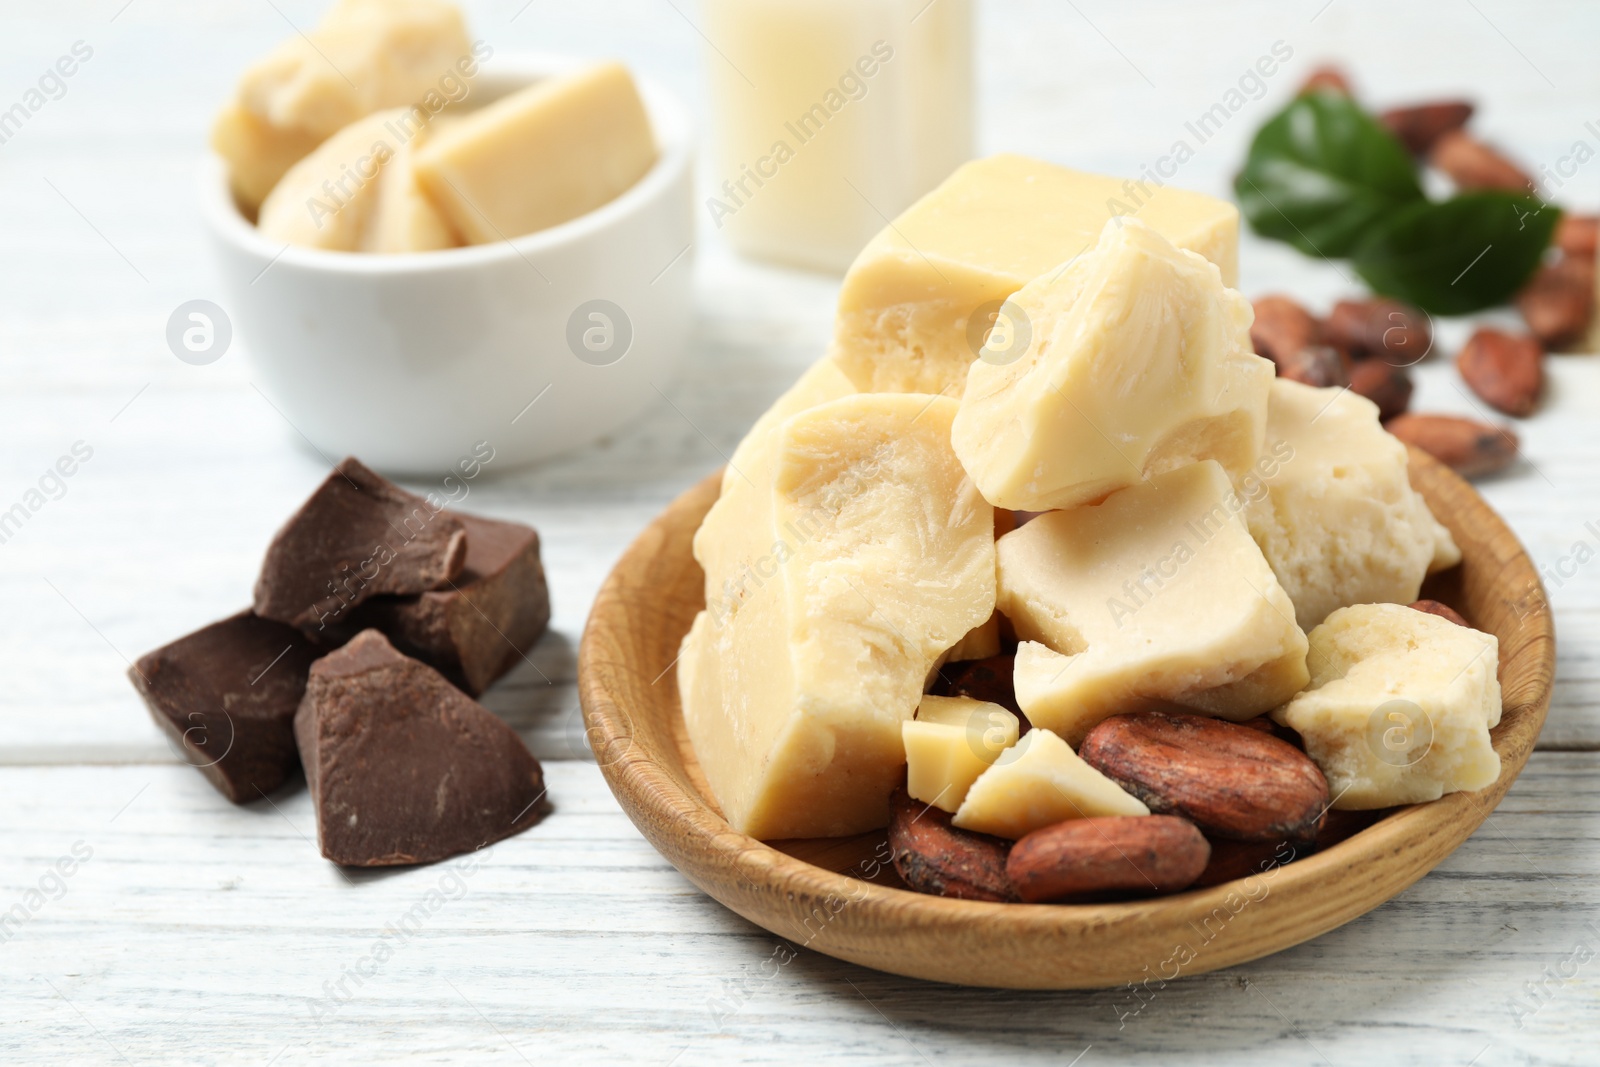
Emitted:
<point x="198" y="932"/>
<point x="203" y="933"/>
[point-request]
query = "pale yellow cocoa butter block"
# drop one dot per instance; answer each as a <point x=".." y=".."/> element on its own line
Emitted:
<point x="823" y="381"/>
<point x="1156" y="596"/>
<point x="356" y="192"/>
<point x="849" y="557"/>
<point x="950" y="742"/>
<point x="1138" y="361"/>
<point x="258" y="153"/>
<point x="1039" y="782"/>
<point x="1399" y="707"/>
<point x="981" y="643"/>
<point x="918" y="301"/>
<point x="364" y="56"/>
<point x="543" y="155"/>
<point x="1335" y="513"/>
<point x="404" y="219"/>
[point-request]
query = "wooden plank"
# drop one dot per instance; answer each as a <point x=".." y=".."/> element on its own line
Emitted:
<point x="191" y="477"/>
<point x="201" y="932"/>
<point x="198" y="516"/>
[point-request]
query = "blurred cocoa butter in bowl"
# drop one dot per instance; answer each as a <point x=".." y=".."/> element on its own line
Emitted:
<point x="419" y="238"/>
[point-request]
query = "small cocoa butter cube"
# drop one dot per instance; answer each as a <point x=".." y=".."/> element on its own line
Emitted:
<point x="1399" y="707"/>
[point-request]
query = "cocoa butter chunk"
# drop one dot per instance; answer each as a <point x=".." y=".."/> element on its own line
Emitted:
<point x="403" y="767"/>
<point x="1399" y="707"/>
<point x="1136" y="337"/>
<point x="932" y="856"/>
<point x="1338" y="520"/>
<point x="226" y="695"/>
<point x="357" y="536"/>
<point x="1227" y="779"/>
<point x="479" y="629"/>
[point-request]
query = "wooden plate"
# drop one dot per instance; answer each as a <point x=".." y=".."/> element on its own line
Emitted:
<point x="796" y="889"/>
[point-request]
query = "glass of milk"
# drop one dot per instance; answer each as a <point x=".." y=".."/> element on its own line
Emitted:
<point x="831" y="117"/>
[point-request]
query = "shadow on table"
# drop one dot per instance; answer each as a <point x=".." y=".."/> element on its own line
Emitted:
<point x="1360" y="982"/>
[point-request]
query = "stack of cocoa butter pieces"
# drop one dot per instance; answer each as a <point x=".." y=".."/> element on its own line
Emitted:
<point x="1227" y="801"/>
<point x="1368" y="345"/>
<point x="378" y="616"/>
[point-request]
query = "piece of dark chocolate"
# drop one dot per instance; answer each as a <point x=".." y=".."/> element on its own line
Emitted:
<point x="357" y="536"/>
<point x="403" y="767"/>
<point x="226" y="696"/>
<point x="490" y="617"/>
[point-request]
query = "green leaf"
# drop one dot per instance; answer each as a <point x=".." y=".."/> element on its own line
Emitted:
<point x="1321" y="173"/>
<point x="1470" y="252"/>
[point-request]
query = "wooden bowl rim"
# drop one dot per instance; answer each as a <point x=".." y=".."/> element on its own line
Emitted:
<point x="655" y="800"/>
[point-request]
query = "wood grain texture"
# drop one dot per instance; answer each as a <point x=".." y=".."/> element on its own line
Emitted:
<point x="193" y="468"/>
<point x="199" y="931"/>
<point x="202" y="933"/>
<point x="627" y="682"/>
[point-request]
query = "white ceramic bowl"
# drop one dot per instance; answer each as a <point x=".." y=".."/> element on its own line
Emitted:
<point x="407" y="361"/>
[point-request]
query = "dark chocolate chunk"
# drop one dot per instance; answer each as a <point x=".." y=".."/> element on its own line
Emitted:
<point x="226" y="695"/>
<point x="404" y="767"/>
<point x="486" y="622"/>
<point x="356" y="537"/>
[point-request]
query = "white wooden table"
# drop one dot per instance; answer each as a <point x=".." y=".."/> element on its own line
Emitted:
<point x="199" y="932"/>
